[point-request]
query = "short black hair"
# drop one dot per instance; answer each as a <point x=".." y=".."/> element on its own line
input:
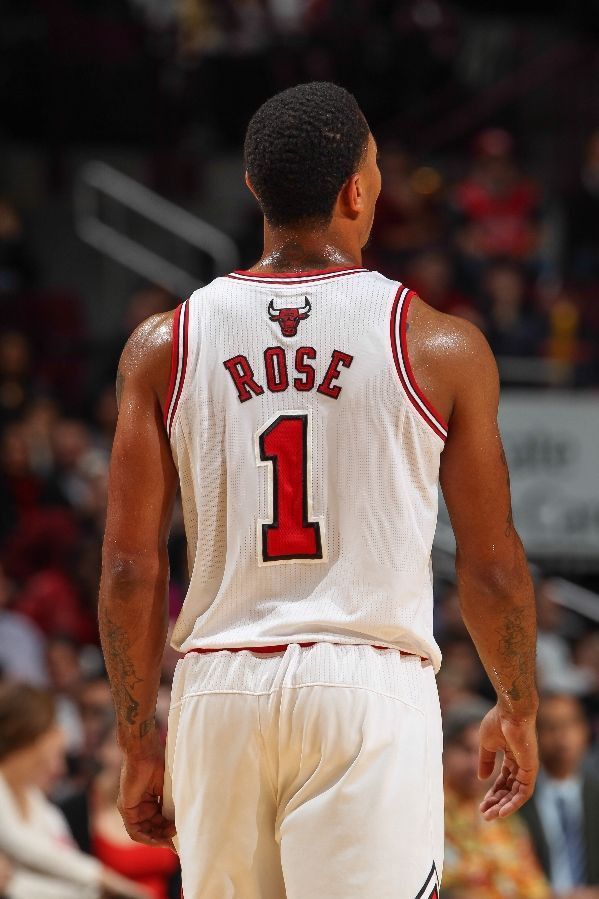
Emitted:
<point x="301" y="146"/>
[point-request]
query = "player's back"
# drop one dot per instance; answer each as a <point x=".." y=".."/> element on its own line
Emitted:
<point x="308" y="460"/>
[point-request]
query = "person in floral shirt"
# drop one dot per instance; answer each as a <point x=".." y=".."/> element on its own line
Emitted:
<point x="483" y="860"/>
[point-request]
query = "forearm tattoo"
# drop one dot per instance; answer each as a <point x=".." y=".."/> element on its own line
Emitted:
<point x="517" y="651"/>
<point x="121" y="671"/>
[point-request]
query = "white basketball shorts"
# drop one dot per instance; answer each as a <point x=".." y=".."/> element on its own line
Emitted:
<point x="309" y="773"/>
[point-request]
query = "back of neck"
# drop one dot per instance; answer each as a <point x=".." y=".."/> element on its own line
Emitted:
<point x="295" y="251"/>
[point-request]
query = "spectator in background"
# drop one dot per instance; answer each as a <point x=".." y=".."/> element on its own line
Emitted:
<point x="582" y="250"/>
<point x="563" y="815"/>
<point x="17" y="270"/>
<point x="483" y="860"/>
<point x="409" y="215"/>
<point x="33" y="832"/>
<point x="431" y="275"/>
<point x="556" y="670"/>
<point x="64" y="667"/>
<point x="497" y="207"/>
<point x="97" y="716"/>
<point x="15" y="375"/>
<point x="98" y="828"/>
<point x="514" y="328"/>
<point x="22" y="649"/>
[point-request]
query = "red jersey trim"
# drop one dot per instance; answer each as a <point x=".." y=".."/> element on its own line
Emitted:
<point x="399" y="346"/>
<point x="178" y="363"/>
<point x="174" y="360"/>
<point x="294" y="277"/>
<point x="281" y="647"/>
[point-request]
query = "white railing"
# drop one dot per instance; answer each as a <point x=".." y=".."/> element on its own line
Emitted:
<point x="97" y="180"/>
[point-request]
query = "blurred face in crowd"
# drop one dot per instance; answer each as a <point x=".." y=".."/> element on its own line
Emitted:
<point x="96" y="708"/>
<point x="41" y="763"/>
<point x="70" y="441"/>
<point x="563" y="735"/>
<point x="62" y="659"/>
<point x="506" y="289"/>
<point x="14" y="355"/>
<point x="110" y="755"/>
<point x="549" y="613"/>
<point x="460" y="763"/>
<point x="432" y="274"/>
<point x="14" y="457"/>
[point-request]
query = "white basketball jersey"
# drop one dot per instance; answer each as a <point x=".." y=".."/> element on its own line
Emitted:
<point x="308" y="459"/>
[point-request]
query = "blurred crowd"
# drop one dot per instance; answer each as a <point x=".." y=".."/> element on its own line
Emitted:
<point x="57" y="740"/>
<point x="475" y="228"/>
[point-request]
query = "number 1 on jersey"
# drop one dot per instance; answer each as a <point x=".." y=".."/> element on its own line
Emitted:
<point x="292" y="534"/>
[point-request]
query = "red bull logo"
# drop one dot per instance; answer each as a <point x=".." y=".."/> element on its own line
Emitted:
<point x="289" y="318"/>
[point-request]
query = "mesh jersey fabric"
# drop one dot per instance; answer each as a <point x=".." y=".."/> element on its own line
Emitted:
<point x="308" y="461"/>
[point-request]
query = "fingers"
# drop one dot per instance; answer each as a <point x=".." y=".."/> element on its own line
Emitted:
<point x="146" y="824"/>
<point x="156" y="831"/>
<point x="486" y="762"/>
<point x="511" y="790"/>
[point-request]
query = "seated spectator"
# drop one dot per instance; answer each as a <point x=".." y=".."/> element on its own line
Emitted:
<point x="409" y="215"/>
<point x="496" y="204"/>
<point x="514" y="328"/>
<point x="431" y="275"/>
<point x="15" y="375"/>
<point x="483" y="859"/>
<point x="98" y="828"/>
<point x="21" y="643"/>
<point x="563" y="815"/>
<point x="33" y="832"/>
<point x="64" y="668"/>
<point x="582" y="252"/>
<point x="556" y="669"/>
<point x="17" y="268"/>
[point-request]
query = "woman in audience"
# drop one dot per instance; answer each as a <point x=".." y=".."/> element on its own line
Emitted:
<point x="34" y="835"/>
<point x="97" y="826"/>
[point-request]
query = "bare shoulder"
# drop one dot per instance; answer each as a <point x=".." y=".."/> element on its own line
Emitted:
<point x="146" y="357"/>
<point x="449" y="336"/>
<point x="449" y="354"/>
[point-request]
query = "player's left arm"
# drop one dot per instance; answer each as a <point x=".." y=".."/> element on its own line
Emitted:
<point x="133" y="607"/>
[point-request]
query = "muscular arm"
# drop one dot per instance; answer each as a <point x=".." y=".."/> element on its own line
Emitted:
<point x="495" y="588"/>
<point x="133" y="589"/>
<point x="494" y="584"/>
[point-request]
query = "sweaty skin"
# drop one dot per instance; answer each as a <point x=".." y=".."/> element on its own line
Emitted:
<point x="454" y="366"/>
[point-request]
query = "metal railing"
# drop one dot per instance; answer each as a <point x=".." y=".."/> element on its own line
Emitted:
<point x="97" y="180"/>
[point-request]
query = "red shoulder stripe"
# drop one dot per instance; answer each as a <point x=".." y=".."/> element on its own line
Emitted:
<point x="399" y="346"/>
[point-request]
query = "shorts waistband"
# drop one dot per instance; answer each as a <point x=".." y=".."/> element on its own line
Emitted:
<point x="282" y="647"/>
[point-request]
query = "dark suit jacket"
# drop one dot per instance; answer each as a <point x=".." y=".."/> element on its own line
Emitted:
<point x="590" y="801"/>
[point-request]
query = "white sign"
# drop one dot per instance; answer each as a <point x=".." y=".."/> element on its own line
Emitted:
<point x="552" y="446"/>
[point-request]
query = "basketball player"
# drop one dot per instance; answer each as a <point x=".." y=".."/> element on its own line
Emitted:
<point x="306" y="408"/>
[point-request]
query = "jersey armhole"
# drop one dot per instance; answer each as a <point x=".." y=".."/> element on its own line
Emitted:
<point x="399" y="346"/>
<point x="178" y="364"/>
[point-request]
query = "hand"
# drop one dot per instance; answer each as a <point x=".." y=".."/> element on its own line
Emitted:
<point x="517" y="739"/>
<point x="140" y="796"/>
<point x="113" y="884"/>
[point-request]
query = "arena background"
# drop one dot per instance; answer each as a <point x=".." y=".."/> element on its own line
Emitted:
<point x="121" y="191"/>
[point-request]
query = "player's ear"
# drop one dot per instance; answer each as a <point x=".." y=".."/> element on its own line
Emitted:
<point x="249" y="185"/>
<point x="352" y="196"/>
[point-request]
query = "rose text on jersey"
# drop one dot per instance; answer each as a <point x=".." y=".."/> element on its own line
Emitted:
<point x="276" y="372"/>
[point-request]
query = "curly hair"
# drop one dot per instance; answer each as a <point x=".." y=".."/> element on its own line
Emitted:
<point x="301" y="146"/>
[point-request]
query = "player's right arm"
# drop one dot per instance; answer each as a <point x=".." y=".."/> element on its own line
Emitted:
<point x="494" y="583"/>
